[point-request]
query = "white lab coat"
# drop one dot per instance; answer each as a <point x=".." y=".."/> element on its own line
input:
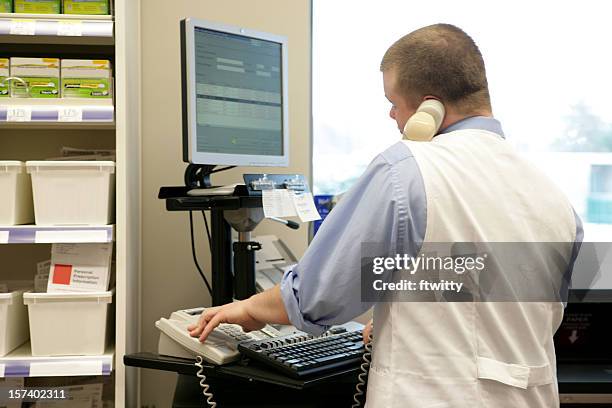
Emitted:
<point x="474" y="355"/>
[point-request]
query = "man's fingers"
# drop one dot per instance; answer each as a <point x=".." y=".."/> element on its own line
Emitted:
<point x="210" y="326"/>
<point x="196" y="329"/>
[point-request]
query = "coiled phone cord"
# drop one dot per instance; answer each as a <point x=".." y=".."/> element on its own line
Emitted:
<point x="205" y="387"/>
<point x="363" y="376"/>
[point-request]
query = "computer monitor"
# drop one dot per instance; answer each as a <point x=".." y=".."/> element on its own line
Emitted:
<point x="234" y="95"/>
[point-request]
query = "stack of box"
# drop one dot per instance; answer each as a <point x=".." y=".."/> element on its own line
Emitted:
<point x="71" y="317"/>
<point x="41" y="77"/>
<point x="86" y="78"/>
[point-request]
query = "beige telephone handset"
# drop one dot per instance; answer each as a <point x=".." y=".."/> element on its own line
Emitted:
<point x="425" y="123"/>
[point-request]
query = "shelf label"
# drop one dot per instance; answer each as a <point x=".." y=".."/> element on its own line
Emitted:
<point x="70" y="114"/>
<point x="18" y="114"/>
<point x="79" y="236"/>
<point x="72" y="367"/>
<point x="22" y="27"/>
<point x="4" y="237"/>
<point x="70" y="28"/>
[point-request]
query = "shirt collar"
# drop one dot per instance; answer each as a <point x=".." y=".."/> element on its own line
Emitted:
<point x="476" y="122"/>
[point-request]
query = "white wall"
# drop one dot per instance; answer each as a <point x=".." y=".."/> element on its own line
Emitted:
<point x="169" y="279"/>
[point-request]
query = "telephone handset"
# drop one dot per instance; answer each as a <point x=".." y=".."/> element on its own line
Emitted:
<point x="425" y="123"/>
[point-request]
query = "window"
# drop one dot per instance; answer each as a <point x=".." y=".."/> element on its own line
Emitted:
<point x="549" y="77"/>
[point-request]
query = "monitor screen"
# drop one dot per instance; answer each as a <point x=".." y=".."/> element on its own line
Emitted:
<point x="234" y="96"/>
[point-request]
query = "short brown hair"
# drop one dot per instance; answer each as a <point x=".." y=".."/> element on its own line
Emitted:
<point x="443" y="61"/>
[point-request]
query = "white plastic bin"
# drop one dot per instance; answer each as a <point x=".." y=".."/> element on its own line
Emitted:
<point x="73" y="192"/>
<point x="15" y="185"/>
<point x="13" y="321"/>
<point x="68" y="324"/>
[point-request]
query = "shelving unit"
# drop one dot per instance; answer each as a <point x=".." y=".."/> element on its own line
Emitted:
<point x="35" y="129"/>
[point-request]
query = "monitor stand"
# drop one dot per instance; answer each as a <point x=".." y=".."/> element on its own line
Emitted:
<point x="197" y="176"/>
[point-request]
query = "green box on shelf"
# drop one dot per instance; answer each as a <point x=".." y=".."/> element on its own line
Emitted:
<point x="37" y="6"/>
<point x="40" y="74"/>
<point x="93" y="7"/>
<point x="6" y="6"/>
<point x="86" y="79"/>
<point x="4" y="73"/>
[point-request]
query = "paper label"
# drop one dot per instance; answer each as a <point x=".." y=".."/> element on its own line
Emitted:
<point x="70" y="114"/>
<point x="70" y="28"/>
<point x="18" y="114"/>
<point x="43" y="267"/>
<point x="43" y="237"/>
<point x="4" y="237"/>
<point x="80" y="267"/>
<point x="65" y="368"/>
<point x="22" y="27"/>
<point x="278" y="203"/>
<point x="305" y="207"/>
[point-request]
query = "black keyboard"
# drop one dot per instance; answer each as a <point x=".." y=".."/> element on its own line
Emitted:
<point x="299" y="355"/>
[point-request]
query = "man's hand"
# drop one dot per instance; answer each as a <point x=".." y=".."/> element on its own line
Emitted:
<point x="236" y="313"/>
<point x="367" y="330"/>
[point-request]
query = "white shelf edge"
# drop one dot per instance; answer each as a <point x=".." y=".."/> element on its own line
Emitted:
<point x="21" y="363"/>
<point x="56" y="25"/>
<point x="57" y="17"/>
<point x="36" y="234"/>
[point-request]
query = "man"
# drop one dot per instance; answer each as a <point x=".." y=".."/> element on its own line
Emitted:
<point x="466" y="185"/>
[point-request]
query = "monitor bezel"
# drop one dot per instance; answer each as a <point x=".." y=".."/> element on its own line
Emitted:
<point x="188" y="90"/>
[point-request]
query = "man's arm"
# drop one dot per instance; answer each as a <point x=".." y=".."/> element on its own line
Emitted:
<point x="252" y="314"/>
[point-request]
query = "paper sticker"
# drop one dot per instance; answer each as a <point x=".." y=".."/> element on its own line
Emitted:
<point x="65" y="368"/>
<point x="4" y="237"/>
<point x="278" y="203"/>
<point x="71" y="236"/>
<point x="18" y="114"/>
<point x="305" y="207"/>
<point x="22" y="27"/>
<point x="71" y="114"/>
<point x="70" y="28"/>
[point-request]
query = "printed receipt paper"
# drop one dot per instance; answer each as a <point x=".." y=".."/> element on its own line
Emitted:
<point x="286" y="203"/>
